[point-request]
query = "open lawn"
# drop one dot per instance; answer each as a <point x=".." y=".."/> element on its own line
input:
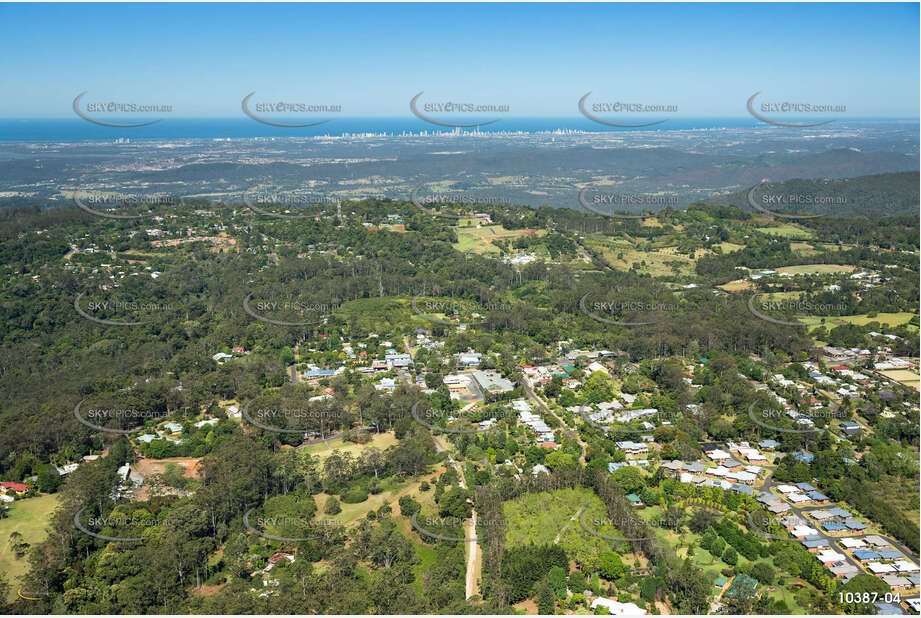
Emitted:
<point x="428" y="554"/>
<point x="657" y="263"/>
<point x="803" y="248"/>
<point x="787" y="231"/>
<point x="324" y="449"/>
<point x="784" y="591"/>
<point x="28" y="517"/>
<point x="861" y="319"/>
<point x="729" y="247"/>
<point x="680" y="541"/>
<point x="352" y="512"/>
<point x="737" y="285"/>
<point x="904" y="376"/>
<point x="479" y="239"/>
<point x="816" y="269"/>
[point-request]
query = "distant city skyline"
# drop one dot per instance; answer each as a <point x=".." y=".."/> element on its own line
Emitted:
<point x="538" y="60"/>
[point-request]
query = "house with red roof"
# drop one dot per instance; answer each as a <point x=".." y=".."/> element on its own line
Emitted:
<point x="19" y="488"/>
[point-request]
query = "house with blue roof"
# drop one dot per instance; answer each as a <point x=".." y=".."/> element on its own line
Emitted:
<point x="853" y="524"/>
<point x="887" y="553"/>
<point x="833" y="526"/>
<point x="865" y="555"/>
<point x="613" y="465"/>
<point x="817" y="496"/>
<point x="805" y="486"/>
<point x="634" y="499"/>
<point x="743" y="489"/>
<point x="814" y="545"/>
<point x="803" y="456"/>
<point x="320" y="373"/>
<point x="839" y="512"/>
<point x="770" y="444"/>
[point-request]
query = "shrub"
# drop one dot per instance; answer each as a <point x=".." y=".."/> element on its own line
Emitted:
<point x="332" y="506"/>
<point x="354" y="496"/>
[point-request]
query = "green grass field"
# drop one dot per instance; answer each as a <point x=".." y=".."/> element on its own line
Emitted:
<point x="352" y="512"/>
<point x="479" y="240"/>
<point x="554" y="517"/>
<point x="324" y="449"/>
<point x="861" y="319"/>
<point x="657" y="263"/>
<point x="802" y="247"/>
<point x="787" y="231"/>
<point x="729" y="247"/>
<point x="377" y="314"/>
<point x="29" y="517"/>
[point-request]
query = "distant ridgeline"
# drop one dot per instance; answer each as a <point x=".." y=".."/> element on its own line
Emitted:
<point x="877" y="194"/>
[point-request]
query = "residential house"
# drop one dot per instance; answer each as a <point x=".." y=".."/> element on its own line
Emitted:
<point x="19" y="488"/>
<point x="829" y="556"/>
<point x="852" y="543"/>
<point x="814" y="543"/>
<point x="616" y="608"/>
<point x="866" y="555"/>
<point x="896" y="582"/>
<point x="633" y="448"/>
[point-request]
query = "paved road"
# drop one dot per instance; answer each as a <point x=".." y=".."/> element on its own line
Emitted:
<point x="833" y="540"/>
<point x="526" y="382"/>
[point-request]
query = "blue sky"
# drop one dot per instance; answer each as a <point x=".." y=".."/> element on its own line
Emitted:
<point x="539" y="59"/>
